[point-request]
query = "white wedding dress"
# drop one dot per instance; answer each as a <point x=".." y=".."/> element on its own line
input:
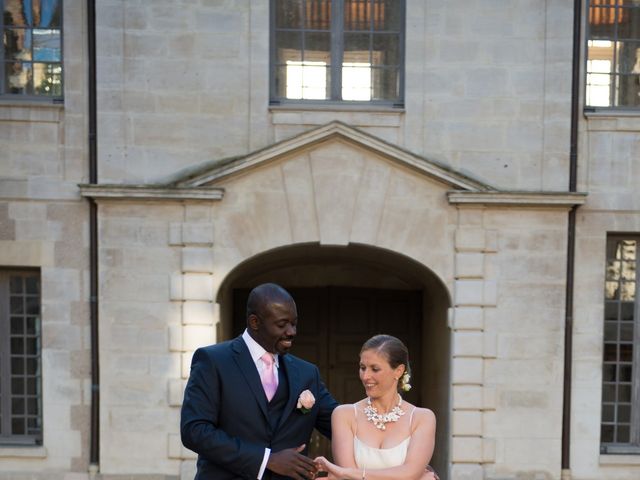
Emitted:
<point x="372" y="458"/>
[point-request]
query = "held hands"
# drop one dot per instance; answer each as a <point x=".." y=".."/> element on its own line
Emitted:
<point x="291" y="463"/>
<point x="334" y="471"/>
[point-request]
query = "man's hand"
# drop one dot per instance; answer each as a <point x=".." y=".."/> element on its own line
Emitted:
<point x="292" y="463"/>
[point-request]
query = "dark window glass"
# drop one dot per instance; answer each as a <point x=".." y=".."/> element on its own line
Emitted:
<point x="20" y="380"/>
<point x="338" y="50"/>
<point x="31" y="49"/>
<point x="613" y="54"/>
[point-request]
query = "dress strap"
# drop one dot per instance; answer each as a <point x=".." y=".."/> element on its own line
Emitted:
<point x="411" y="416"/>
<point x="355" y="414"/>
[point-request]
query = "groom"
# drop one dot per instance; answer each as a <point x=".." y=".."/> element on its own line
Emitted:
<point x="250" y="407"/>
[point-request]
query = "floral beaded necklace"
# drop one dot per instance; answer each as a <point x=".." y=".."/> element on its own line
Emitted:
<point x="380" y="420"/>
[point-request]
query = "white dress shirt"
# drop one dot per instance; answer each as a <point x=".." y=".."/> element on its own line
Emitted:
<point x="256" y="351"/>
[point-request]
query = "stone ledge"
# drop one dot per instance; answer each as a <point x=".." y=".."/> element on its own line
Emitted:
<point x="518" y="199"/>
<point x="23" y="452"/>
<point x="615" y="460"/>
<point x="143" y="192"/>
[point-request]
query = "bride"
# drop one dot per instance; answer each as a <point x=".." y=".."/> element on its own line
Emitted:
<point x="381" y="437"/>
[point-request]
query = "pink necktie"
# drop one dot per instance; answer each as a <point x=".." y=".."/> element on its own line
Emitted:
<point x="268" y="376"/>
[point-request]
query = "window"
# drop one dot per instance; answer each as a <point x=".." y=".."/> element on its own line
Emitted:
<point x="613" y="54"/>
<point x="337" y="50"/>
<point x="20" y="373"/>
<point x="620" y="425"/>
<point x="31" y="51"/>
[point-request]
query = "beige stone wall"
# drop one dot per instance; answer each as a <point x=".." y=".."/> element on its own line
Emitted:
<point x="487" y="89"/>
<point x="43" y="224"/>
<point x="609" y="171"/>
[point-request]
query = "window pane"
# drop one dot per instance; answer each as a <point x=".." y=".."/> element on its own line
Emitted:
<point x="317" y="47"/>
<point x="623" y="434"/>
<point x="611" y="290"/>
<point x="386" y="84"/>
<point x="47" y="13"/>
<point x="627" y="90"/>
<point x="626" y="311"/>
<point x="17" y="346"/>
<point x="624" y="413"/>
<point x="308" y="80"/>
<point x="611" y="311"/>
<point x="628" y="22"/>
<point x="16" y="13"/>
<point x="32" y="346"/>
<point x="17" y="366"/>
<point x="46" y="45"/>
<point x="386" y="50"/>
<point x="17" y="406"/>
<point x="32" y="406"/>
<point x="289" y="47"/>
<point x="32" y="387"/>
<point x="613" y="270"/>
<point x="47" y="79"/>
<point x="626" y="332"/>
<point x="609" y="373"/>
<point x="32" y="366"/>
<point x="318" y="15"/>
<point x="610" y="331"/>
<point x="32" y="326"/>
<point x="626" y="352"/>
<point x="17" y="386"/>
<point x="387" y="15"/>
<point x="607" y="413"/>
<point x="357" y="15"/>
<point x="16" y="305"/>
<point x="606" y="434"/>
<point x="601" y="22"/>
<point x="356" y="48"/>
<point x="624" y="393"/>
<point x="18" y="78"/>
<point x="17" y="325"/>
<point x="628" y="291"/>
<point x="17" y="426"/>
<point x="625" y="373"/>
<point x="33" y="305"/>
<point x="609" y="393"/>
<point x="356" y="81"/>
<point x="33" y="285"/>
<point x="289" y="13"/>
<point x="15" y="285"/>
<point x="17" y="44"/>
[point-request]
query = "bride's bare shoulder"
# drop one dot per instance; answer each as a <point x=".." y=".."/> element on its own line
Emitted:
<point x="345" y="411"/>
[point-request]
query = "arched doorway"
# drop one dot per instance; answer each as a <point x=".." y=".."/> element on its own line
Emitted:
<point x="344" y="296"/>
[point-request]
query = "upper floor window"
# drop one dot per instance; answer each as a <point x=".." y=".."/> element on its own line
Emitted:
<point x="337" y="50"/>
<point x="613" y="54"/>
<point x="31" y="51"/>
<point x="620" y="423"/>
<point x="20" y="373"/>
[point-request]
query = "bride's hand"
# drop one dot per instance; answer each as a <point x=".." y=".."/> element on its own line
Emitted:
<point x="324" y="465"/>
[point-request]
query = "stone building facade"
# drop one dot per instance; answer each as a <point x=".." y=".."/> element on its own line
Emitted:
<point x="443" y="220"/>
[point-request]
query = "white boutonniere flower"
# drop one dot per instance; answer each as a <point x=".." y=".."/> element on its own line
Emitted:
<point x="306" y="401"/>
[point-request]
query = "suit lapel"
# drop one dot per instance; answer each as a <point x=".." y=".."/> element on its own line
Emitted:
<point x="248" y="369"/>
<point x="294" y="386"/>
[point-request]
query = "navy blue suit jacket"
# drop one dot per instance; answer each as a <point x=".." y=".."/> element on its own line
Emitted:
<point x="224" y="413"/>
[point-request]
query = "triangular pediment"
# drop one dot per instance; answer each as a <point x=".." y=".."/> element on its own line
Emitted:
<point x="211" y="173"/>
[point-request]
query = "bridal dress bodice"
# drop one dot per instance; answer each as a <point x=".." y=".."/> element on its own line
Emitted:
<point x="373" y="458"/>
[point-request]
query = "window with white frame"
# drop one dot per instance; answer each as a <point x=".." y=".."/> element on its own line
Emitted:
<point x="613" y="54"/>
<point x="337" y="50"/>
<point x="31" y="50"/>
<point x="620" y="421"/>
<point x="20" y="366"/>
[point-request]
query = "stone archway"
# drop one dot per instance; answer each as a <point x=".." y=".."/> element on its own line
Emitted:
<point x="386" y="291"/>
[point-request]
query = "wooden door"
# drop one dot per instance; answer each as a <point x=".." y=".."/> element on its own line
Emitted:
<point x="333" y="324"/>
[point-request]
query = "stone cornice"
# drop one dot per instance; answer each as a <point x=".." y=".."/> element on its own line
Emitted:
<point x="518" y="199"/>
<point x="150" y="192"/>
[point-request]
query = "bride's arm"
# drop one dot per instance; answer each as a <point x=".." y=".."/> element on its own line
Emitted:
<point x="342" y="428"/>
<point x="418" y="456"/>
